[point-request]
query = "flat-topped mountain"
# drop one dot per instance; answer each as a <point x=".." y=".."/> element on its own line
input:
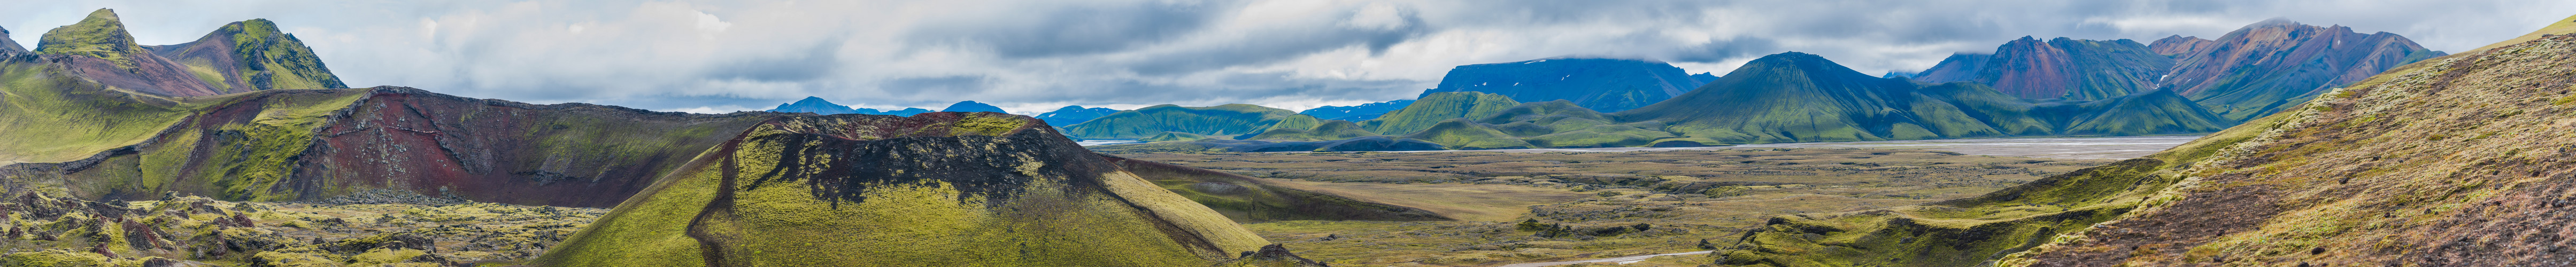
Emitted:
<point x="1602" y="84"/>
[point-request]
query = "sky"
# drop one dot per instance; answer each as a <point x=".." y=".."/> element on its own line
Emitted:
<point x="1032" y="56"/>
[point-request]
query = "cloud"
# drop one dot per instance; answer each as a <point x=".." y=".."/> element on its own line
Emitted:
<point x="1035" y="55"/>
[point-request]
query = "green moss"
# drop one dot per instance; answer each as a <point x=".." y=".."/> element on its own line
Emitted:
<point x="50" y="116"/>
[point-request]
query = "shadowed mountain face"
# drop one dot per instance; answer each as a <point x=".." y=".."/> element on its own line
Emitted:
<point x="937" y="189"/>
<point x="2058" y="68"/>
<point x="2270" y="66"/>
<point x="1070" y="115"/>
<point x="819" y="106"/>
<point x="1225" y="120"/>
<point x="1360" y="112"/>
<point x="814" y="105"/>
<point x="2391" y="170"/>
<point x="972" y="106"/>
<point x="1599" y="84"/>
<point x="9" y="47"/>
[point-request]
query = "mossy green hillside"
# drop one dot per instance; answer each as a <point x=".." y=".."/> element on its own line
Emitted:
<point x="47" y="115"/>
<point x="1228" y="119"/>
<point x="984" y="204"/>
<point x="101" y="35"/>
<point x="1173" y="137"/>
<point x="1307" y="128"/>
<point x="1434" y="108"/>
<point x="273" y="59"/>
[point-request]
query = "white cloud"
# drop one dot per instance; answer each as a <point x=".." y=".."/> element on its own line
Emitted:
<point x="1031" y="55"/>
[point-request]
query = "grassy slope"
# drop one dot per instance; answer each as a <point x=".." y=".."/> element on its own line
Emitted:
<point x="1302" y="127"/>
<point x="1974" y="230"/>
<point x="1228" y="119"/>
<point x="50" y="116"/>
<point x="1247" y="199"/>
<point x="1434" y="108"/>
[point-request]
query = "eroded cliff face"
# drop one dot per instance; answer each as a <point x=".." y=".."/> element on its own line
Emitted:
<point x="934" y="189"/>
<point x="2456" y="161"/>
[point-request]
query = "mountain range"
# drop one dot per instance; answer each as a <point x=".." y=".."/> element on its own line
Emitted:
<point x="2027" y="87"/>
<point x="2453" y="161"/>
<point x="2254" y="71"/>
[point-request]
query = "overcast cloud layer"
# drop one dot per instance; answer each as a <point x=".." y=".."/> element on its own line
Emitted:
<point x="1034" y="55"/>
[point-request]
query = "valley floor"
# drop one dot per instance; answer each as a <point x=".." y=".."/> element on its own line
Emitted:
<point x="1538" y="206"/>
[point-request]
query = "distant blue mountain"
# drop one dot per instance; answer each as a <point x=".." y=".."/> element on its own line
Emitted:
<point x="814" y="105"/>
<point x="1070" y="115"/>
<point x="1606" y="85"/>
<point x="817" y="105"/>
<point x="1359" y="112"/>
<point x="972" y="106"/>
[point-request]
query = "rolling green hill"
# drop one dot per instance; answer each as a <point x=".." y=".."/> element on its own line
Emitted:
<point x="1302" y="127"/>
<point x="1436" y="107"/>
<point x="1222" y="120"/>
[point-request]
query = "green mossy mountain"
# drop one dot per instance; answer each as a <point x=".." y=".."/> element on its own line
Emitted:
<point x="1302" y="127"/>
<point x="1436" y="107"/>
<point x="252" y="55"/>
<point x="1172" y="137"/>
<point x="1221" y="120"/>
<point x="239" y="57"/>
<point x="1797" y="97"/>
<point x="2392" y="170"/>
<point x="968" y="189"/>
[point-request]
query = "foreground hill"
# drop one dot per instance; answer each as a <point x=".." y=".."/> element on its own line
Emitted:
<point x="1596" y="83"/>
<point x="977" y="189"/>
<point x="2456" y="161"/>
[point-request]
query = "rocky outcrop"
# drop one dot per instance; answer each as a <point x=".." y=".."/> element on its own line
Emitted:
<point x="937" y="189"/>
